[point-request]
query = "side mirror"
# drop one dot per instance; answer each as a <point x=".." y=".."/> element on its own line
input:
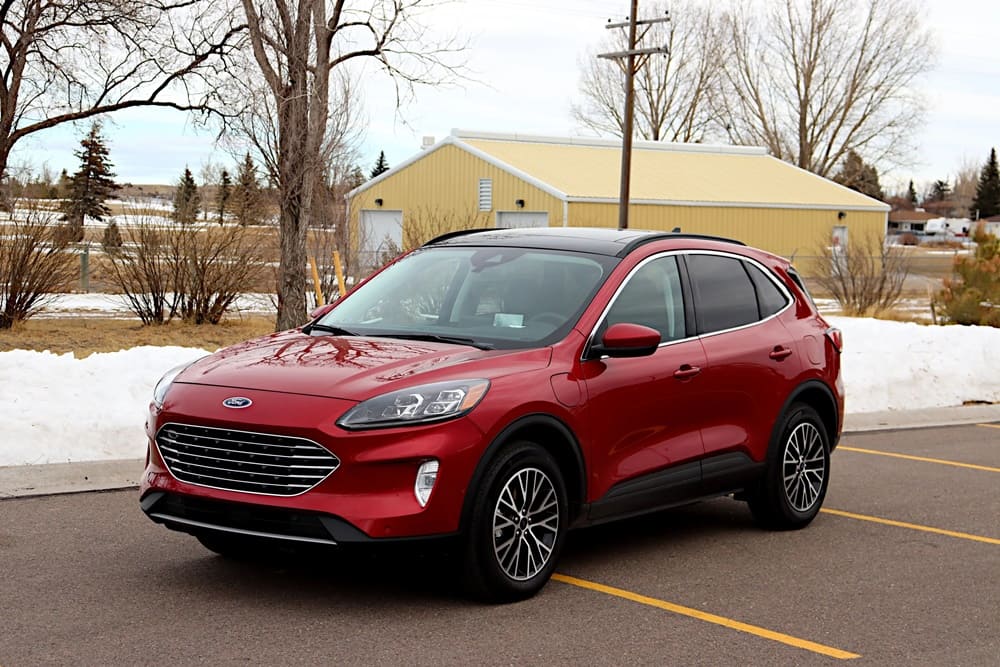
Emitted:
<point x="321" y="311"/>
<point x="626" y="340"/>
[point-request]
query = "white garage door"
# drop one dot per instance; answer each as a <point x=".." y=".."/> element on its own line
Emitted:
<point x="519" y="219"/>
<point x="381" y="231"/>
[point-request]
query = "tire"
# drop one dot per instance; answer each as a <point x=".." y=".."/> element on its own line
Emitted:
<point x="517" y="527"/>
<point x="797" y="474"/>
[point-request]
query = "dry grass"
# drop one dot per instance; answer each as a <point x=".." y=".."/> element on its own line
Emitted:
<point x="85" y="336"/>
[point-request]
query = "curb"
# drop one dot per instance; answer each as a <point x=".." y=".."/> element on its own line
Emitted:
<point x="59" y="478"/>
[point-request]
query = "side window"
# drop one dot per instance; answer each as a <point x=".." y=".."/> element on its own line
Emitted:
<point x="769" y="298"/>
<point x="724" y="296"/>
<point x="652" y="297"/>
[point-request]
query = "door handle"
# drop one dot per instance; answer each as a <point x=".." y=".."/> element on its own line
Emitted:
<point x="780" y="352"/>
<point x="685" y="372"/>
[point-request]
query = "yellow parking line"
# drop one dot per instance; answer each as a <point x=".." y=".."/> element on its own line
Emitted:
<point x="912" y="526"/>
<point x="918" y="458"/>
<point x="989" y="425"/>
<point x="710" y="618"/>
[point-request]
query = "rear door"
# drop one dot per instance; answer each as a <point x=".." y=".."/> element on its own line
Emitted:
<point x="751" y="355"/>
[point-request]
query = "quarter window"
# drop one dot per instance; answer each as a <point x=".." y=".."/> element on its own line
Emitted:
<point x="769" y="297"/>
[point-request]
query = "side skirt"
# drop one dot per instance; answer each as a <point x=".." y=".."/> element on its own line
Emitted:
<point x="679" y="485"/>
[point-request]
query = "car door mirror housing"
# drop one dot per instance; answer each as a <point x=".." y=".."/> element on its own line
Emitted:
<point x="626" y="340"/>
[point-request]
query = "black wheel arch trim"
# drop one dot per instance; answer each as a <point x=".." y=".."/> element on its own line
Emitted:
<point x="504" y="437"/>
<point x="822" y="387"/>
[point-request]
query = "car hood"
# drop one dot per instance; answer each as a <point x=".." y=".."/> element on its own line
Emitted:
<point x="352" y="368"/>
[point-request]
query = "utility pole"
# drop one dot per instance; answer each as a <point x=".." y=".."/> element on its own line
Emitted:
<point x="634" y="61"/>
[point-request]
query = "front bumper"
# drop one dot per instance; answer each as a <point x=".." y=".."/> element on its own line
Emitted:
<point x="368" y="497"/>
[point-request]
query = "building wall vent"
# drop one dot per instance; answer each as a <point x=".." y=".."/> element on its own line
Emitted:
<point x="485" y="194"/>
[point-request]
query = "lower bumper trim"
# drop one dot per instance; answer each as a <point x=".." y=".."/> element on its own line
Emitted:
<point x="167" y="519"/>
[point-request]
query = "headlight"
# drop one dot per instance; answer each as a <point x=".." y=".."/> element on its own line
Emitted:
<point x="426" y="403"/>
<point x="160" y="391"/>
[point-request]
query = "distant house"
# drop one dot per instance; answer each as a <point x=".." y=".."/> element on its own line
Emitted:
<point x="992" y="225"/>
<point x="912" y="222"/>
<point x="483" y="179"/>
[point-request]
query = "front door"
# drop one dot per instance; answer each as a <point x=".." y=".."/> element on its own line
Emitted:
<point x="645" y="414"/>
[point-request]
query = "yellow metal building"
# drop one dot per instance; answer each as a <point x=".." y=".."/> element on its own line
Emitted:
<point x="473" y="179"/>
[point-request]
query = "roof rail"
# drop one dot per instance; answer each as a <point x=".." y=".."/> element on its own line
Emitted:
<point x="649" y="238"/>
<point x="460" y="232"/>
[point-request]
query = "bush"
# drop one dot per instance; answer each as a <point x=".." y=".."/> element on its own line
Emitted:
<point x="217" y="265"/>
<point x="35" y="264"/>
<point x="194" y="272"/>
<point x="866" y="277"/>
<point x="112" y="237"/>
<point x="972" y="295"/>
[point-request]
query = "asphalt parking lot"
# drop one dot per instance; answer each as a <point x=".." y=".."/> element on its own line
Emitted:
<point x="902" y="567"/>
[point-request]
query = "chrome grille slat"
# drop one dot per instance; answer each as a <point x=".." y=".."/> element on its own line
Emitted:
<point x="241" y="472"/>
<point x="164" y="448"/>
<point x="245" y="442"/>
<point x="262" y="463"/>
<point x="225" y="479"/>
<point x="192" y="444"/>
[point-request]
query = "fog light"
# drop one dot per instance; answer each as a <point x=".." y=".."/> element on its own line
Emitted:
<point x="427" y="474"/>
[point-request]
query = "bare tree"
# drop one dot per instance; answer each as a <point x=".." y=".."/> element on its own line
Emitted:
<point x="814" y="79"/>
<point x="673" y="91"/>
<point x="66" y="60"/>
<point x="297" y="46"/>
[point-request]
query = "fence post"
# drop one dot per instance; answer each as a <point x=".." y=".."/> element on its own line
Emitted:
<point x="85" y="268"/>
<point x="317" y="285"/>
<point x="339" y="271"/>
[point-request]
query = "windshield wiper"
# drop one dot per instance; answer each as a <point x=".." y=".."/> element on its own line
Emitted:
<point x="435" y="338"/>
<point x="326" y="328"/>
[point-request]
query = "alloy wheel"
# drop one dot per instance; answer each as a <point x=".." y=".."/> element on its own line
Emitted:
<point x="804" y="467"/>
<point x="525" y="524"/>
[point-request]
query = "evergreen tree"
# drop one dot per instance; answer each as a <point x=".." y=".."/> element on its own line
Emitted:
<point x="246" y="198"/>
<point x="223" y="194"/>
<point x="90" y="185"/>
<point x="860" y="176"/>
<point x="987" y="200"/>
<point x="911" y="193"/>
<point x="381" y="165"/>
<point x="940" y="191"/>
<point x="187" y="199"/>
<point x="65" y="183"/>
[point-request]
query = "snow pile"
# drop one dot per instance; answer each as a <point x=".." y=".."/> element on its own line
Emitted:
<point x="56" y="408"/>
<point x="113" y="305"/>
<point x="906" y="366"/>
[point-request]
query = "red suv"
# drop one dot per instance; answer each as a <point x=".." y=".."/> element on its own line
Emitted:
<point x="501" y="387"/>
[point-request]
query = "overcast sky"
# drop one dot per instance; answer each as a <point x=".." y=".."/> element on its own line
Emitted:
<point x="527" y="54"/>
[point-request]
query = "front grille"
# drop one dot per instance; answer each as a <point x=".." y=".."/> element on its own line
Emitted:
<point x="276" y="465"/>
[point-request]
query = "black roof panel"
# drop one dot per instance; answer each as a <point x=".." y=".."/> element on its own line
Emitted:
<point x="596" y="240"/>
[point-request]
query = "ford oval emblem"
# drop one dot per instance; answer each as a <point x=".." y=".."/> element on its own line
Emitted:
<point x="237" y="402"/>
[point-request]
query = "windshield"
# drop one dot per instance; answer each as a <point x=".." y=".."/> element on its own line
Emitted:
<point x="490" y="297"/>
